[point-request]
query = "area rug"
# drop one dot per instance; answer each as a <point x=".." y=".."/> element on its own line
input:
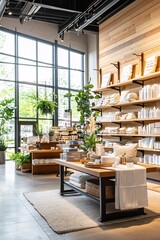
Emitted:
<point x="66" y="214"/>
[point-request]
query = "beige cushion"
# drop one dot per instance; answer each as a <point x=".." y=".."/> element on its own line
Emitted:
<point x="129" y="151"/>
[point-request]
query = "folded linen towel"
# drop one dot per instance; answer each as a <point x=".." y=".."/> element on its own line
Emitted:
<point x="79" y="185"/>
<point x="82" y="177"/>
<point x="131" y="187"/>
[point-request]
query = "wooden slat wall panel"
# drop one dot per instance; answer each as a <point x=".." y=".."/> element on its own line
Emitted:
<point x="135" y="29"/>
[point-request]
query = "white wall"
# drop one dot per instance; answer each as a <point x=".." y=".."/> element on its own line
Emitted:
<point x="86" y="42"/>
<point x="93" y="73"/>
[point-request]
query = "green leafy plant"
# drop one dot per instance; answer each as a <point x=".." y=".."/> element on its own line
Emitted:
<point x="90" y="141"/>
<point x="38" y="130"/>
<point x="84" y="99"/>
<point x="44" y="105"/>
<point x="6" y="113"/>
<point x="84" y="102"/>
<point x="51" y="133"/>
<point x="3" y="146"/>
<point x="20" y="158"/>
<point x="90" y="138"/>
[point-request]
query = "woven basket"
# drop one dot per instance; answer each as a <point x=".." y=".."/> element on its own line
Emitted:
<point x="92" y="187"/>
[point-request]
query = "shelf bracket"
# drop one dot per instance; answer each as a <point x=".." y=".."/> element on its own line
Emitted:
<point x="117" y="65"/>
<point x="141" y="57"/>
<point x="116" y="107"/>
<point x="138" y="82"/>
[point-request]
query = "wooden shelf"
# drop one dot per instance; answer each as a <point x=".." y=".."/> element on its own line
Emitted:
<point x="133" y="80"/>
<point x="146" y="77"/>
<point x="152" y="100"/>
<point x="46" y="151"/>
<point x="128" y="135"/>
<point x="132" y="120"/>
<point x="113" y="86"/>
<point x="140" y="149"/>
<point x="148" y="149"/>
<point x="43" y="164"/>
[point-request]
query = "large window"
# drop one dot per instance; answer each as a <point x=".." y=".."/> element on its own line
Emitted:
<point x="70" y="79"/>
<point x="32" y="66"/>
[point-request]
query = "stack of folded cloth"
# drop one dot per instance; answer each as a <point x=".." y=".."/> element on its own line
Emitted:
<point x="99" y="102"/>
<point x="79" y="179"/>
<point x="111" y="130"/>
<point x="122" y="130"/>
<point x="114" y="98"/>
<point x="131" y="130"/>
<point x="106" y="101"/>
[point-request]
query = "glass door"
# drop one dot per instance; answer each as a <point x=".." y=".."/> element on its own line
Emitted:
<point x="25" y="130"/>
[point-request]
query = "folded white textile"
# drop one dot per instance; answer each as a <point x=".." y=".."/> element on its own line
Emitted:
<point x="80" y="185"/>
<point x="80" y="177"/>
<point x="131" y="187"/>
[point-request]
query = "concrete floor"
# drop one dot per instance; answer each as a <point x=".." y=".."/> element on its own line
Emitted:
<point x="19" y="220"/>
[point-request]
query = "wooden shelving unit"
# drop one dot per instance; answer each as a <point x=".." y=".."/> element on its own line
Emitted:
<point x="138" y="82"/>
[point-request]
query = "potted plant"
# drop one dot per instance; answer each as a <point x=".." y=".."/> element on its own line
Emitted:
<point x="3" y="148"/>
<point x="22" y="161"/>
<point x="51" y="134"/>
<point x="90" y="138"/>
<point x="6" y="113"/>
<point x="39" y="131"/>
<point x="44" y="105"/>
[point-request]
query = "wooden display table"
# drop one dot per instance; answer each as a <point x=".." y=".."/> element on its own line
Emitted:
<point x="42" y="161"/>
<point x="48" y="145"/>
<point x="103" y="175"/>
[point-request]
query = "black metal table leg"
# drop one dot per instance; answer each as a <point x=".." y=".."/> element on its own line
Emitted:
<point x="61" y="170"/>
<point x="102" y="194"/>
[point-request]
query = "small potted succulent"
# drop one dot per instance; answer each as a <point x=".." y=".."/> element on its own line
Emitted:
<point x="51" y="134"/>
<point x="39" y="132"/>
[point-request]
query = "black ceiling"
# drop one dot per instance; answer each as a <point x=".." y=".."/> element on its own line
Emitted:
<point x="67" y="14"/>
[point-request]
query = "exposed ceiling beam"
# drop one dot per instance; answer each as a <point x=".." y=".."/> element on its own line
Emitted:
<point x="95" y="10"/>
<point x="50" y="7"/>
<point x="96" y="15"/>
<point x="72" y="22"/>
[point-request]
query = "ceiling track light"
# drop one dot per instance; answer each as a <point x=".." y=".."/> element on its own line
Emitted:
<point x="62" y="37"/>
<point x="28" y="11"/>
<point x="80" y="17"/>
<point x="9" y="12"/>
<point x="96" y="15"/>
<point x="93" y="12"/>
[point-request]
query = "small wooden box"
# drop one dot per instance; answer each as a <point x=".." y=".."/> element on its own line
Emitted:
<point x="92" y="187"/>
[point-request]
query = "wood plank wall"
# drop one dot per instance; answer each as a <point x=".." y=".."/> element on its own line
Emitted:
<point x="134" y="30"/>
